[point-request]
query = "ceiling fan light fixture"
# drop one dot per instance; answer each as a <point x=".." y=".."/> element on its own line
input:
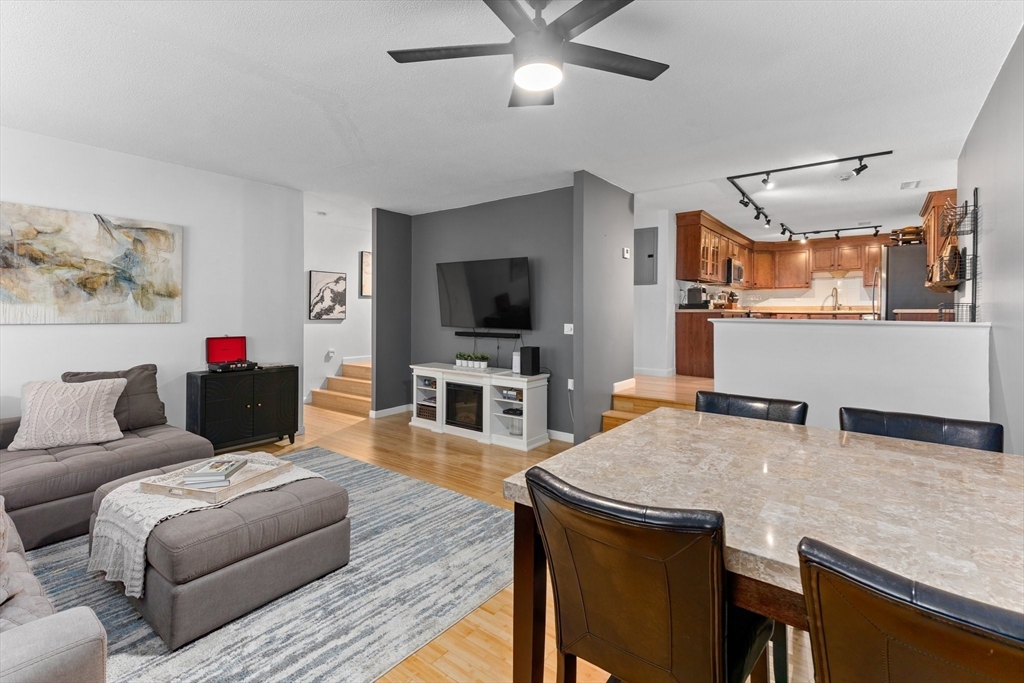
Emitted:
<point x="538" y="76"/>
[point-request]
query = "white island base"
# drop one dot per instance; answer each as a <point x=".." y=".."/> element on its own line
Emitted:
<point x="521" y="432"/>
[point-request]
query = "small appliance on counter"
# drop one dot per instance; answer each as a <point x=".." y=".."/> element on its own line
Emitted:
<point x="697" y="297"/>
<point x="735" y="272"/>
<point x="227" y="354"/>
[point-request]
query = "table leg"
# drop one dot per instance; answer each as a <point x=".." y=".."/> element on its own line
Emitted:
<point x="780" y="658"/>
<point x="529" y="599"/>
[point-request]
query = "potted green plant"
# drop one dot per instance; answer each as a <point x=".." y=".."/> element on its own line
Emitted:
<point x="484" y="360"/>
<point x="460" y="359"/>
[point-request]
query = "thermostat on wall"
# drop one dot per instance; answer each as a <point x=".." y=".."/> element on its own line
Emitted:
<point x="625" y="252"/>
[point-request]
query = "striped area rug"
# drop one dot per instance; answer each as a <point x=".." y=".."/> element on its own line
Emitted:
<point x="423" y="557"/>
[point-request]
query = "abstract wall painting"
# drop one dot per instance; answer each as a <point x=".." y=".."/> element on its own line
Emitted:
<point x="327" y="293"/>
<point x="365" y="275"/>
<point x="61" y="266"/>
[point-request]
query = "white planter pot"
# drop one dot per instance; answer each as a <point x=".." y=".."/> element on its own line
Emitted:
<point x="481" y="364"/>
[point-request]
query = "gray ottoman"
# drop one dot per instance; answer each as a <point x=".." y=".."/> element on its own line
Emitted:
<point x="206" y="568"/>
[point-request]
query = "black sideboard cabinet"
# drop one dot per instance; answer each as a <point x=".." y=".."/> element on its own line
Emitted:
<point x="243" y="407"/>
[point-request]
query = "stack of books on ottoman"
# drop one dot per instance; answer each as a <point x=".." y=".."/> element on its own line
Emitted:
<point x="214" y="475"/>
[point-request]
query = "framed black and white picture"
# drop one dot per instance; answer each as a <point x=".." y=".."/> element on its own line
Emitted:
<point x="365" y="274"/>
<point x="327" y="292"/>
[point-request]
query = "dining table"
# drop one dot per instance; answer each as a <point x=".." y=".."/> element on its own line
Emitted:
<point x="949" y="517"/>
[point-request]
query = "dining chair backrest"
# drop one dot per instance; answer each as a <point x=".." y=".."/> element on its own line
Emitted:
<point x="771" y="409"/>
<point x="869" y="624"/>
<point x="639" y="591"/>
<point x="984" y="436"/>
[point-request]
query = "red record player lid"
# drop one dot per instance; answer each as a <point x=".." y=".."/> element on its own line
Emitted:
<point x="225" y="349"/>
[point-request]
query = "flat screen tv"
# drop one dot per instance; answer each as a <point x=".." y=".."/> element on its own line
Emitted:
<point x="492" y="294"/>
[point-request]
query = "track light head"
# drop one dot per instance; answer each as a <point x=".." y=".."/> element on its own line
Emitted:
<point x="837" y="234"/>
<point x="860" y="169"/>
<point x="876" y="232"/>
<point x="767" y="223"/>
<point x="783" y="231"/>
<point x="757" y="214"/>
<point x="744" y="202"/>
<point x="790" y="237"/>
<point x="803" y="238"/>
<point x="767" y="182"/>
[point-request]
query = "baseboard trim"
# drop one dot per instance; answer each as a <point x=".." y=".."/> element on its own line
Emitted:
<point x="555" y="435"/>
<point x="356" y="359"/>
<point x="397" y="410"/>
<point x="655" y="372"/>
<point x="623" y="385"/>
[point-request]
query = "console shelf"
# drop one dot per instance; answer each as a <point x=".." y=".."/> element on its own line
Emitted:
<point x="522" y="432"/>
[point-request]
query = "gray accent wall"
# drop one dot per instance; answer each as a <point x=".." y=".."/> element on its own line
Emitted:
<point x="602" y="297"/>
<point x="538" y="226"/>
<point x="992" y="160"/>
<point x="391" y="339"/>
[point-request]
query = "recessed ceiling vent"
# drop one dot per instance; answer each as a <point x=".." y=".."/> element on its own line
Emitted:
<point x="843" y="177"/>
<point x="910" y="185"/>
<point x="865" y="223"/>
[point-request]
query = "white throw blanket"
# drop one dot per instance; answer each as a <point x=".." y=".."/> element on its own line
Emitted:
<point x="127" y="516"/>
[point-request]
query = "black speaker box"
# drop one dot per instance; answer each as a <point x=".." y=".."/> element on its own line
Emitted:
<point x="529" y="360"/>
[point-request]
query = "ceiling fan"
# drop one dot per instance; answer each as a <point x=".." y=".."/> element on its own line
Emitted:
<point x="540" y="49"/>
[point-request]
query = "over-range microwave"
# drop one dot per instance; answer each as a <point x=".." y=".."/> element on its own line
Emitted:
<point x="735" y="272"/>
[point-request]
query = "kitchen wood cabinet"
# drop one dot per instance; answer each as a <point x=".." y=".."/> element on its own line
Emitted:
<point x="793" y="269"/>
<point x="872" y="262"/>
<point x="850" y="257"/>
<point x="763" y="270"/>
<point x="704" y="246"/>
<point x="695" y="344"/>
<point x="792" y="316"/>
<point x="931" y="224"/>
<point x="823" y="259"/>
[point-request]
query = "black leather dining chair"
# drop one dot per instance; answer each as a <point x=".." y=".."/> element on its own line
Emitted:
<point x="984" y="436"/>
<point x="869" y="624"/>
<point x="771" y="409"/>
<point x="640" y="591"/>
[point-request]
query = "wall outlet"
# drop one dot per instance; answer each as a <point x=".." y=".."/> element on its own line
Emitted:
<point x="568" y="328"/>
<point x="625" y="252"/>
<point x="571" y="385"/>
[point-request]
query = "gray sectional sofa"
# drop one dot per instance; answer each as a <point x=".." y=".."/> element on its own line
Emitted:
<point x="39" y="644"/>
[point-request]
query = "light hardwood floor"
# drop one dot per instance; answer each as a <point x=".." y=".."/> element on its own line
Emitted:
<point x="479" y="647"/>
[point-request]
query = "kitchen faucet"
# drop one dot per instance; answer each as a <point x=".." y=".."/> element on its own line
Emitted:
<point x="835" y="298"/>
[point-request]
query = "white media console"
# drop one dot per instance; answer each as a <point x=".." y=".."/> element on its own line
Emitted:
<point x="479" y="399"/>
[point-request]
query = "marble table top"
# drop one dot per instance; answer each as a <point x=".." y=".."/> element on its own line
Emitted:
<point x="952" y="518"/>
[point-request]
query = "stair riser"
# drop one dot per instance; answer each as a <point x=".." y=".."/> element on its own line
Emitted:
<point x="640" y="405"/>
<point x="343" y="404"/>
<point x="357" y="371"/>
<point x="350" y="386"/>
<point x="608" y="423"/>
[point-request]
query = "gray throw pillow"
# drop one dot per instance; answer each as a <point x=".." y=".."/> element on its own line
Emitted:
<point x="140" y="405"/>
<point x="56" y="414"/>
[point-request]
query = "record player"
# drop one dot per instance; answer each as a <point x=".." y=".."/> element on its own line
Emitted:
<point x="227" y="354"/>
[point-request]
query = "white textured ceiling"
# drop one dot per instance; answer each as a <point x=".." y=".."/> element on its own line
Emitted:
<point x="303" y="94"/>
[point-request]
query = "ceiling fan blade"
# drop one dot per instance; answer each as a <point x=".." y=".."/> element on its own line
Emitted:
<point x="614" y="62"/>
<point x="428" y="54"/>
<point x="584" y="15"/>
<point x="529" y="98"/>
<point x="512" y="15"/>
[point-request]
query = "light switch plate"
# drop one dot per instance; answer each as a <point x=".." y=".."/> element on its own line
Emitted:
<point x="625" y="252"/>
<point x="568" y="328"/>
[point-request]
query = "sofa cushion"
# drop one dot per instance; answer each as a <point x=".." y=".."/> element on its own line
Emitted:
<point x="39" y="476"/>
<point x="55" y="414"/>
<point x="29" y="603"/>
<point x="139" y="405"/>
<point x="193" y="545"/>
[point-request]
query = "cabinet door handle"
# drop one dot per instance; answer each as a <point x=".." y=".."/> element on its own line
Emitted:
<point x="259" y="405"/>
<point x="248" y="405"/>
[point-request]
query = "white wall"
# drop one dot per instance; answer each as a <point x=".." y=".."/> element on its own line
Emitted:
<point x="992" y="160"/>
<point x="654" y="331"/>
<point x="333" y="243"/>
<point x="883" y="365"/>
<point x="243" y="271"/>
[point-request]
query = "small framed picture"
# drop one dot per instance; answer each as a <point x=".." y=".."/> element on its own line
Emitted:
<point x="365" y="274"/>
<point x="327" y="292"/>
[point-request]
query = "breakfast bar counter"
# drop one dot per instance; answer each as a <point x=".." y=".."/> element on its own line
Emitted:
<point x="950" y="517"/>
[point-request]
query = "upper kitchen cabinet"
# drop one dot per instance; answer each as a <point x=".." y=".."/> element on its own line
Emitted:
<point x="823" y="259"/>
<point x="763" y="270"/>
<point x="704" y="246"/>
<point x="793" y="269"/>
<point x="872" y="263"/>
<point x="845" y="257"/>
<point x="931" y="219"/>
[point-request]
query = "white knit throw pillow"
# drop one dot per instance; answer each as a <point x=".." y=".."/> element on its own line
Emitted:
<point x="57" y="414"/>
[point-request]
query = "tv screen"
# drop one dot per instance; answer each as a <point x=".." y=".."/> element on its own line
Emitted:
<point x="491" y="294"/>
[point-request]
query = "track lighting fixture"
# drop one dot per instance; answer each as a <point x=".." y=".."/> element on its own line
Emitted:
<point x="790" y="237"/>
<point x="876" y="232"/>
<point x="767" y="223"/>
<point x="837" y="234"/>
<point x="783" y="231"/>
<point x="803" y="239"/>
<point x="757" y="214"/>
<point x="860" y="169"/>
<point x="767" y="182"/>
<point x="744" y="202"/>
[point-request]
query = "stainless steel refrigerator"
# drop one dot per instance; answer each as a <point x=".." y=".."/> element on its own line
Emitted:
<point x="902" y="276"/>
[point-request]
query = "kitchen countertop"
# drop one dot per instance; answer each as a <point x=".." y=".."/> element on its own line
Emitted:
<point x="946" y="516"/>
<point x="799" y="310"/>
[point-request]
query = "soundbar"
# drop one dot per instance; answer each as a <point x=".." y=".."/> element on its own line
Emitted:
<point x="489" y="335"/>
